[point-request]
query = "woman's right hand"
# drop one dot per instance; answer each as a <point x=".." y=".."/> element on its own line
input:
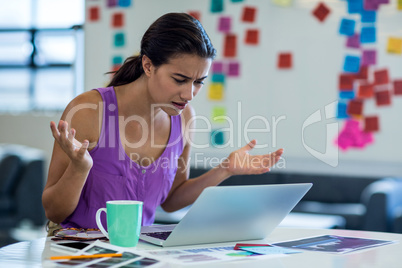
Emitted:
<point x="75" y="150"/>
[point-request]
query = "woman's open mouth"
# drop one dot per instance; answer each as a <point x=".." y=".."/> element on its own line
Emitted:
<point x="179" y="105"/>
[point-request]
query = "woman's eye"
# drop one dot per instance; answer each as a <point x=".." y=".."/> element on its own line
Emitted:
<point x="179" y="81"/>
<point x="200" y="82"/>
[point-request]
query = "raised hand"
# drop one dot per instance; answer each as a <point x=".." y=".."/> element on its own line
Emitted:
<point x="76" y="151"/>
<point x="241" y="162"/>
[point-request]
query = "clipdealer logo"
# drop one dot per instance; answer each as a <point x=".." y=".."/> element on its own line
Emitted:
<point x="331" y="154"/>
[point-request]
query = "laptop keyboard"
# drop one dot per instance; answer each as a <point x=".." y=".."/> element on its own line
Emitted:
<point x="159" y="235"/>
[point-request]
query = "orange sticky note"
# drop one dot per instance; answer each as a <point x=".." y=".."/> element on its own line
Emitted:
<point x="230" y="45"/>
<point x="285" y="60"/>
<point x="252" y="37"/>
<point x="365" y="91"/>
<point x="93" y="13"/>
<point x="248" y="14"/>
<point x="195" y="14"/>
<point x="117" y="20"/>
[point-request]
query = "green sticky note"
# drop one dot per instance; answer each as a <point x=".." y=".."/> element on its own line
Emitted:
<point x="219" y="114"/>
<point x="119" y="40"/>
<point x="117" y="60"/>
<point x="216" y="6"/>
<point x="217" y="138"/>
<point x="218" y="78"/>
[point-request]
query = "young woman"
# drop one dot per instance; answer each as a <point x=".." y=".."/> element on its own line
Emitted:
<point x="131" y="140"/>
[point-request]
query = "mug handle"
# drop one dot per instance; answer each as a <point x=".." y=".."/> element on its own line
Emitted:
<point x="99" y="223"/>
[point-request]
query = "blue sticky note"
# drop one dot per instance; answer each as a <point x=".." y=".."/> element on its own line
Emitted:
<point x="347" y="27"/>
<point x="355" y="6"/>
<point x="368" y="35"/>
<point x="341" y="110"/>
<point x="352" y="64"/>
<point x="117" y="60"/>
<point x="119" y="40"/>
<point x="347" y="95"/>
<point x="217" y="138"/>
<point x="216" y="6"/>
<point x="124" y="3"/>
<point x="218" y="78"/>
<point x="368" y="16"/>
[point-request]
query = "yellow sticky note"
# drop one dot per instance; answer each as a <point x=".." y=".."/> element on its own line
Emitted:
<point x="283" y="3"/>
<point x="399" y="4"/>
<point x="394" y="45"/>
<point x="218" y="114"/>
<point x="215" y="91"/>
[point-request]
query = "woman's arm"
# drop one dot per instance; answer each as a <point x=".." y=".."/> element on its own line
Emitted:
<point x="71" y="162"/>
<point x="184" y="191"/>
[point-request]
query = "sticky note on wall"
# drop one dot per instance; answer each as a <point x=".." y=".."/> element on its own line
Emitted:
<point x="249" y="14"/>
<point x="321" y="11"/>
<point x="346" y="82"/>
<point x="93" y="14"/>
<point x="282" y="3"/>
<point x="252" y="36"/>
<point x="347" y="27"/>
<point x="369" y="57"/>
<point x="371" y="124"/>
<point x="383" y="97"/>
<point x="215" y="91"/>
<point x="230" y="45"/>
<point x="225" y="24"/>
<point x="217" y="138"/>
<point x="195" y="14"/>
<point x="368" y="35"/>
<point x="285" y="60"/>
<point x="355" y="6"/>
<point x="219" y="114"/>
<point x="119" y="40"/>
<point x="394" y="45"/>
<point x="217" y="67"/>
<point x="233" y="69"/>
<point x="353" y="41"/>
<point x="117" y="20"/>
<point x="355" y="107"/>
<point x="397" y="87"/>
<point x="351" y="64"/>
<point x="381" y="77"/>
<point x="216" y="6"/>
<point x="112" y="3"/>
<point x="124" y="3"/>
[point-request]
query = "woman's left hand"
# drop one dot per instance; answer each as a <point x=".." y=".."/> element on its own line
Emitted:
<point x="241" y="162"/>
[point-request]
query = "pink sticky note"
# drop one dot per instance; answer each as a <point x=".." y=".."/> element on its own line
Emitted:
<point x="353" y="41"/>
<point x="224" y="24"/>
<point x="369" y="57"/>
<point x="234" y="69"/>
<point x="217" y="67"/>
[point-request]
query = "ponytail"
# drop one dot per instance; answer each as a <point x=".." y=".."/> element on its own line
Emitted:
<point x="130" y="70"/>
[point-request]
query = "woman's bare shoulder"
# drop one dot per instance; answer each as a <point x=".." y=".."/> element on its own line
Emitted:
<point x="84" y="114"/>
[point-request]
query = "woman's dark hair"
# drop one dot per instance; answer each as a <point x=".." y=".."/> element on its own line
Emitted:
<point x="170" y="35"/>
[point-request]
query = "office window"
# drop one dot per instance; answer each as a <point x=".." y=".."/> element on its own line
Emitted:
<point x="41" y="47"/>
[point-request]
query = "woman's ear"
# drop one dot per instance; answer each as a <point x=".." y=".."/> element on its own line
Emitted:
<point x="147" y="65"/>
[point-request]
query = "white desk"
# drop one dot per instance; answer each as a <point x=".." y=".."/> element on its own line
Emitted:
<point x="30" y="254"/>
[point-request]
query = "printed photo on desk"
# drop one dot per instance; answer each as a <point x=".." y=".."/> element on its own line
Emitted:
<point x="333" y="244"/>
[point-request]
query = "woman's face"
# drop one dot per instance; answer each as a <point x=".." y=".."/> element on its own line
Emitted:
<point x="174" y="84"/>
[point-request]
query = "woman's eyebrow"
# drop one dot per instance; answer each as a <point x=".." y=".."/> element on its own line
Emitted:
<point x="186" y="77"/>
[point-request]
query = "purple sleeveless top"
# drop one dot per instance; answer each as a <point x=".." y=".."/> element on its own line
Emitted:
<point x="114" y="176"/>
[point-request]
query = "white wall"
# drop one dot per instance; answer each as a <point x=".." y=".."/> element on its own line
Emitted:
<point x="30" y="129"/>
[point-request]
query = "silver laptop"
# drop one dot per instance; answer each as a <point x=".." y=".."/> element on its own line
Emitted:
<point x="229" y="213"/>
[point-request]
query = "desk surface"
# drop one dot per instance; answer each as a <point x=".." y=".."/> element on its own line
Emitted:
<point x="31" y="253"/>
